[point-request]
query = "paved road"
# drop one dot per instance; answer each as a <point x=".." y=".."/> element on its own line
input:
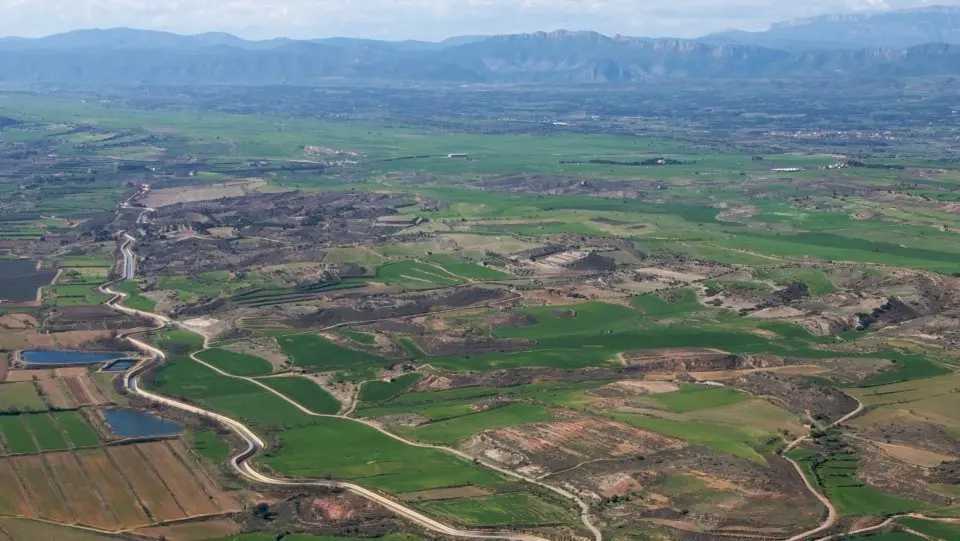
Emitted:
<point x="585" y="515"/>
<point x="240" y="462"/>
<point x="129" y="259"/>
<point x="255" y="444"/>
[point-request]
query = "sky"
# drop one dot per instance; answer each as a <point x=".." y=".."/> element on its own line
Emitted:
<point x="421" y="19"/>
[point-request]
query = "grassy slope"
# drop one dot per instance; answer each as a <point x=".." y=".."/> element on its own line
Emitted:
<point x="238" y="364"/>
<point x="305" y="392"/>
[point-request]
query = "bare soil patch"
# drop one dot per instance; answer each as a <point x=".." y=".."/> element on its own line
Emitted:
<point x="111" y="485"/>
<point x="76" y="489"/>
<point x="780" y="312"/>
<point x="146" y="483"/>
<point x="912" y="455"/>
<point x="18" y="321"/>
<point x="14" y="498"/>
<point x="647" y="387"/>
<point x="79" y="390"/>
<point x="798" y="395"/>
<point x="188" y="493"/>
<point x="679" y="276"/>
<point x="45" y="373"/>
<point x="31" y="338"/>
<point x="224" y="501"/>
<point x="721" y="375"/>
<point x="56" y="394"/>
<point x="563" y="444"/>
<point x="50" y="500"/>
<point x="172" y="196"/>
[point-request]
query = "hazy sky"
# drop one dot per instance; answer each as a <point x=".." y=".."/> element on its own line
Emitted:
<point x="420" y="19"/>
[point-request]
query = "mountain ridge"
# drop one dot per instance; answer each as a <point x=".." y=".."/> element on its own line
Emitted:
<point x="134" y="57"/>
<point x="900" y="28"/>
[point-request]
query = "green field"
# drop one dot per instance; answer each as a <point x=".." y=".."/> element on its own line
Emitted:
<point x="184" y="378"/>
<point x="364" y="338"/>
<point x="379" y="391"/>
<point x="567" y="343"/>
<point x="238" y="364"/>
<point x="81" y="262"/>
<point x="741" y="441"/>
<point x="452" y="431"/>
<point x="20" y="396"/>
<point x="697" y="397"/>
<point x="815" y="280"/>
<point x="365" y="456"/>
<point x="415" y="275"/>
<point x="304" y="392"/>
<point x="73" y="295"/>
<point x="77" y="430"/>
<point x="515" y="510"/>
<point x="669" y="304"/>
<point x="909" y="367"/>
<point x="467" y="270"/>
<point x="47" y="434"/>
<point x="889" y="536"/>
<point x="415" y="352"/>
<point x="315" y="353"/>
<point x="210" y="446"/>
<point x="939" y="530"/>
<point x="134" y="299"/>
<point x="466" y="402"/>
<point x="16" y="437"/>
<point x="837" y="475"/>
<point x="585" y="318"/>
<point x="177" y="340"/>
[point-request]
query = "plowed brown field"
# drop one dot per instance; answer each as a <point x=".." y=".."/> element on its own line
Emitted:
<point x="191" y="496"/>
<point x="561" y="444"/>
<point x="78" y="391"/>
<point x="56" y="394"/>
<point x="126" y="507"/>
<point x="146" y="482"/>
<point x="52" y="503"/>
<point x="223" y="500"/>
<point x="14" y="499"/>
<point x="84" y="501"/>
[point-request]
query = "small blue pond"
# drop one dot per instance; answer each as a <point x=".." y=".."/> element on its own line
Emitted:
<point x="120" y="366"/>
<point x="37" y="357"/>
<point x="128" y="423"/>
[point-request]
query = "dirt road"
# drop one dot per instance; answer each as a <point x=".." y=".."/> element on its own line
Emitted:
<point x="255" y="444"/>
<point x="832" y="514"/>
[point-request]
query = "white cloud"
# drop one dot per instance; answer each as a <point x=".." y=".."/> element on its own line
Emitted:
<point x="418" y="19"/>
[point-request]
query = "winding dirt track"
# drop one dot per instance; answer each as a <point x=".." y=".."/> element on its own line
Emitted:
<point x="255" y="444"/>
<point x="832" y="514"/>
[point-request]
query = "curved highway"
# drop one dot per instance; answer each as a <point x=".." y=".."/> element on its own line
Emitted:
<point x="240" y="462"/>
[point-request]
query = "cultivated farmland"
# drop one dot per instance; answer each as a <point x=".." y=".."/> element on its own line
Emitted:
<point x="305" y="392"/>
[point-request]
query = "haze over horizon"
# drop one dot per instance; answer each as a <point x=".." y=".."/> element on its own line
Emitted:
<point x="429" y="20"/>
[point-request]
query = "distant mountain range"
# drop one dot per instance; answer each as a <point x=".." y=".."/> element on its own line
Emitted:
<point x="905" y="43"/>
<point x="906" y="28"/>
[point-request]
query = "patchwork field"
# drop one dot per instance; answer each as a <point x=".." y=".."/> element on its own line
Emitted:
<point x="305" y="392"/>
<point x="111" y="489"/>
<point x="20" y="396"/>
<point x="30" y="433"/>
<point x="642" y="312"/>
